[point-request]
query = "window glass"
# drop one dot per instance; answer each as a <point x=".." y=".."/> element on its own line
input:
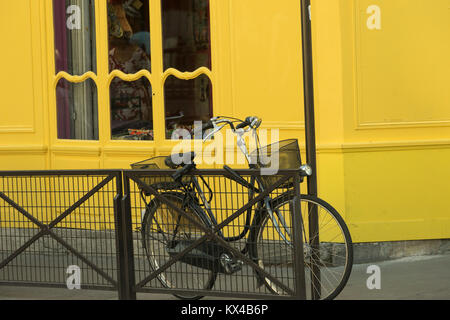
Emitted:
<point x="77" y="110"/>
<point x="74" y="29"/>
<point x="186" y="34"/>
<point x="129" y="35"/>
<point x="75" y="53"/>
<point x="129" y="52"/>
<point x="131" y="110"/>
<point x="187" y="47"/>
<point x="187" y="101"/>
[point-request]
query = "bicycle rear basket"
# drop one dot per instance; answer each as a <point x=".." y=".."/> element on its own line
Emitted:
<point x="285" y="152"/>
<point x="164" y="182"/>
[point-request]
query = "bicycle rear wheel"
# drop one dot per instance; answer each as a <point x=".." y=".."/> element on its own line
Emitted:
<point x="164" y="228"/>
<point x="328" y="254"/>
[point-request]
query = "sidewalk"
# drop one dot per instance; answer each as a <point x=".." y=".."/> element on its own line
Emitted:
<point x="414" y="278"/>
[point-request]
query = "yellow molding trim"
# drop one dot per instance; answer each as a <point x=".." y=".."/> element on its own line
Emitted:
<point x="17" y="129"/>
<point x="75" y="79"/>
<point x="406" y="124"/>
<point x="151" y="147"/>
<point x="283" y="125"/>
<point x="129" y="77"/>
<point x="78" y="149"/>
<point x="383" y="146"/>
<point x="187" y="75"/>
<point x="24" y="149"/>
<point x="131" y="150"/>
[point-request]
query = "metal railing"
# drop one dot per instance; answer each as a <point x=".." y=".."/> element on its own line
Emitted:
<point x="106" y="224"/>
<point x="52" y="220"/>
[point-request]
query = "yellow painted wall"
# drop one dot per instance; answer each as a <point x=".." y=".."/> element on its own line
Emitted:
<point x="382" y="99"/>
<point x="396" y="103"/>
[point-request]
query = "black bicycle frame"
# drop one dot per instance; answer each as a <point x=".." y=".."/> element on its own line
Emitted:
<point x="258" y="211"/>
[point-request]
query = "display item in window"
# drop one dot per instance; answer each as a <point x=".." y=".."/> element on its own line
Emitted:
<point x="131" y="102"/>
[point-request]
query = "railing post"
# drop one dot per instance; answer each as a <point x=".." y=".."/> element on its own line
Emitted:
<point x="299" y="267"/>
<point x="124" y="240"/>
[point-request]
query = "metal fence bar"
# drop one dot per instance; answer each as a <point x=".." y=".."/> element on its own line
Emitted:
<point x="82" y="258"/>
<point x="21" y="210"/>
<point x="80" y="201"/>
<point x="17" y="252"/>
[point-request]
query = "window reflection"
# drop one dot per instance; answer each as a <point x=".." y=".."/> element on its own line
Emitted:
<point x="74" y="29"/>
<point x="187" y="101"/>
<point x="77" y="110"/>
<point x="131" y="110"/>
<point x="186" y="34"/>
<point x="129" y="52"/>
<point x="129" y="35"/>
<point x="187" y="47"/>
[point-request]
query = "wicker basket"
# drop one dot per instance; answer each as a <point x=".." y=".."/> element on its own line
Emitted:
<point x="288" y="154"/>
<point x="164" y="182"/>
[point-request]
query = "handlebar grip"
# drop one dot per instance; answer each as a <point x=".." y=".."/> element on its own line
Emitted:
<point x="248" y="122"/>
<point x="242" y="125"/>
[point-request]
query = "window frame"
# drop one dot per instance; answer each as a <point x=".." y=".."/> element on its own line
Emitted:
<point x="103" y="78"/>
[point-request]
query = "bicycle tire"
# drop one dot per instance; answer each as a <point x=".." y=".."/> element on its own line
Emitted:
<point x="156" y="224"/>
<point x="334" y="257"/>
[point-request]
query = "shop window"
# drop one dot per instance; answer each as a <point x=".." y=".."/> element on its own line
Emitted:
<point x="187" y="101"/>
<point x="77" y="110"/>
<point x="75" y="54"/>
<point x="187" y="47"/>
<point x="129" y="52"/>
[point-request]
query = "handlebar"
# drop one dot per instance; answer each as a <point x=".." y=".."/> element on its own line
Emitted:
<point x="213" y="123"/>
<point x="242" y="125"/>
<point x="252" y="122"/>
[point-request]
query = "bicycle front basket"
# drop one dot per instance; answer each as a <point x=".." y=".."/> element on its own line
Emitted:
<point x="283" y="154"/>
<point x="150" y="164"/>
<point x="164" y="182"/>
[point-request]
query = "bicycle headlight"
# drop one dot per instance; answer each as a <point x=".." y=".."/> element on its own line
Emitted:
<point x="256" y="122"/>
<point x="306" y="169"/>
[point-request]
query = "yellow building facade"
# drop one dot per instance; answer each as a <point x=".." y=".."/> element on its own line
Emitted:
<point x="382" y="95"/>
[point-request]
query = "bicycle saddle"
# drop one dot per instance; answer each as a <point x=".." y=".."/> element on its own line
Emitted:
<point x="175" y="161"/>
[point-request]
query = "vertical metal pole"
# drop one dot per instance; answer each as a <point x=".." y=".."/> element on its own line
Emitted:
<point x="308" y="91"/>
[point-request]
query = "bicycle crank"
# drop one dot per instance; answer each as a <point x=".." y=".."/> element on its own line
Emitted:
<point x="208" y="255"/>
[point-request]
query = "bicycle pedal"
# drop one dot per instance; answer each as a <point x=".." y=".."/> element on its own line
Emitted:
<point x="230" y="264"/>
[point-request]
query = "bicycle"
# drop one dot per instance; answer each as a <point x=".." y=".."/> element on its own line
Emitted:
<point x="328" y="251"/>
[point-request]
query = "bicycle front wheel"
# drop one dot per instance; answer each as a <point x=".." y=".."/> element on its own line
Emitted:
<point x="327" y="249"/>
<point x="164" y="231"/>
